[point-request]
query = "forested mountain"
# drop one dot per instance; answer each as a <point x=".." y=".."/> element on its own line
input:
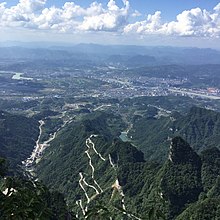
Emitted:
<point x="168" y="169"/>
<point x="17" y="138"/>
<point x="109" y="110"/>
<point x="67" y="154"/>
<point x="181" y="179"/>
<point x="25" y="199"/>
<point x="152" y="132"/>
<point x="91" y="160"/>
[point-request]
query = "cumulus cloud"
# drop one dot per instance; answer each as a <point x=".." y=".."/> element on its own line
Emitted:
<point x="111" y="19"/>
<point x="2" y="8"/>
<point x="194" y="22"/>
<point x="151" y="25"/>
<point x="21" y="14"/>
<point x="71" y="17"/>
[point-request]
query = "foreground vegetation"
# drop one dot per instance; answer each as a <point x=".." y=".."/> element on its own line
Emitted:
<point x="167" y="168"/>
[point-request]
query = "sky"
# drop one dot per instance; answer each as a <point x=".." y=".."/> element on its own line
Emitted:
<point x="137" y="22"/>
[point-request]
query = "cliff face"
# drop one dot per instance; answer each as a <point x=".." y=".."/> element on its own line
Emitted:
<point x="182" y="153"/>
<point x="181" y="180"/>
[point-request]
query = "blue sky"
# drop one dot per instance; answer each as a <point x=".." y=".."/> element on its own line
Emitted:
<point x="170" y="8"/>
<point x="170" y="22"/>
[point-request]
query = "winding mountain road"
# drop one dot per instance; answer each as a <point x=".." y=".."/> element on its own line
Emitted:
<point x="37" y="152"/>
<point x="82" y="182"/>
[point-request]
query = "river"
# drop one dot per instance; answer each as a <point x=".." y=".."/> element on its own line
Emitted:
<point x="18" y="76"/>
<point x="124" y="136"/>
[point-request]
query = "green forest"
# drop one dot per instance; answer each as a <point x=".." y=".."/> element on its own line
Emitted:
<point x="168" y="168"/>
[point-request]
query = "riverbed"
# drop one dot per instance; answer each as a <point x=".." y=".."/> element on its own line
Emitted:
<point x="18" y="76"/>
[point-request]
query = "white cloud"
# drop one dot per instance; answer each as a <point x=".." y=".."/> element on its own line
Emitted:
<point x="21" y="14"/>
<point x="194" y="22"/>
<point x="70" y="18"/>
<point x="29" y="6"/>
<point x="2" y="9"/>
<point x="151" y="25"/>
<point x="136" y="13"/>
<point x="111" y="19"/>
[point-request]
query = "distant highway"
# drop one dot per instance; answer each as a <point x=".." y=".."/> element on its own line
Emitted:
<point x="194" y="94"/>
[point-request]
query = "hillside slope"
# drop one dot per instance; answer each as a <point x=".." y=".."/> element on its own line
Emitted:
<point x="90" y="166"/>
<point x="17" y="137"/>
<point x="152" y="133"/>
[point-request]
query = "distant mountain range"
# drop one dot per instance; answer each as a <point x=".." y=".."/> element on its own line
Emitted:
<point x="133" y="56"/>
